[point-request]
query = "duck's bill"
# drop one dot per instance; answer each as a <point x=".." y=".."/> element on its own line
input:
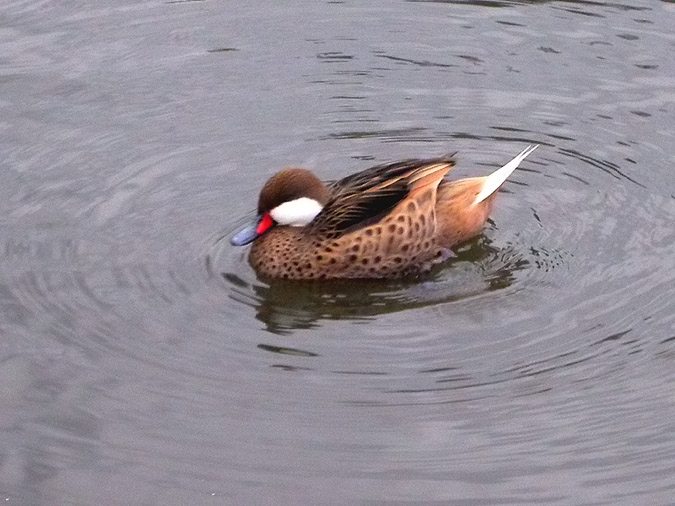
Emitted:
<point x="245" y="236"/>
<point x="250" y="233"/>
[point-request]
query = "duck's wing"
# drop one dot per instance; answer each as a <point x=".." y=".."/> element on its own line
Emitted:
<point x="364" y="197"/>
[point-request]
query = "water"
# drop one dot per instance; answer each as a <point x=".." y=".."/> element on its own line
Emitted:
<point x="142" y="362"/>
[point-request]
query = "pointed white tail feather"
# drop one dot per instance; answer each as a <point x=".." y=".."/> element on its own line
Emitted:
<point x="495" y="180"/>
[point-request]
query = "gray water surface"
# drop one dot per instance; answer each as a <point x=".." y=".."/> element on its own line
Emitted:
<point x="142" y="361"/>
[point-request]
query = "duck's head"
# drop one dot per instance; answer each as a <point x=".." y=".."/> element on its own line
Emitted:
<point x="292" y="197"/>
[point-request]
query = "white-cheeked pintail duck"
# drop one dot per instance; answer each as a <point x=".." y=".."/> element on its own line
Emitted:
<point x="388" y="221"/>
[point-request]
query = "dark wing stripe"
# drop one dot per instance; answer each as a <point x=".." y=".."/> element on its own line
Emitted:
<point x="358" y="211"/>
<point x="361" y="198"/>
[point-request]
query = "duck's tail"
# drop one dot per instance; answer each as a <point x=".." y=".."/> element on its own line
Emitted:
<point x="492" y="182"/>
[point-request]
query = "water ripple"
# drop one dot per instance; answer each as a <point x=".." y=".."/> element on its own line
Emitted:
<point x="140" y="351"/>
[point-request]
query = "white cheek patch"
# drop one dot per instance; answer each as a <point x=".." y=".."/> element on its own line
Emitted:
<point x="296" y="213"/>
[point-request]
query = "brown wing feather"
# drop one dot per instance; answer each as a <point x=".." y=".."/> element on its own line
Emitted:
<point x="361" y="198"/>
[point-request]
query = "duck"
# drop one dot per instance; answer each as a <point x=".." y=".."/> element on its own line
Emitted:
<point x="393" y="220"/>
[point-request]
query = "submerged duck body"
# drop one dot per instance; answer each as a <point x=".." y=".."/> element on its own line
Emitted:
<point x="388" y="221"/>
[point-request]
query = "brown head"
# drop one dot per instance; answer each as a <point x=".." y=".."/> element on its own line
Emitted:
<point x="288" y="185"/>
<point x="292" y="197"/>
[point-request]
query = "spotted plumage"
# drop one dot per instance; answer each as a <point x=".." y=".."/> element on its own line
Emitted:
<point x="388" y="221"/>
